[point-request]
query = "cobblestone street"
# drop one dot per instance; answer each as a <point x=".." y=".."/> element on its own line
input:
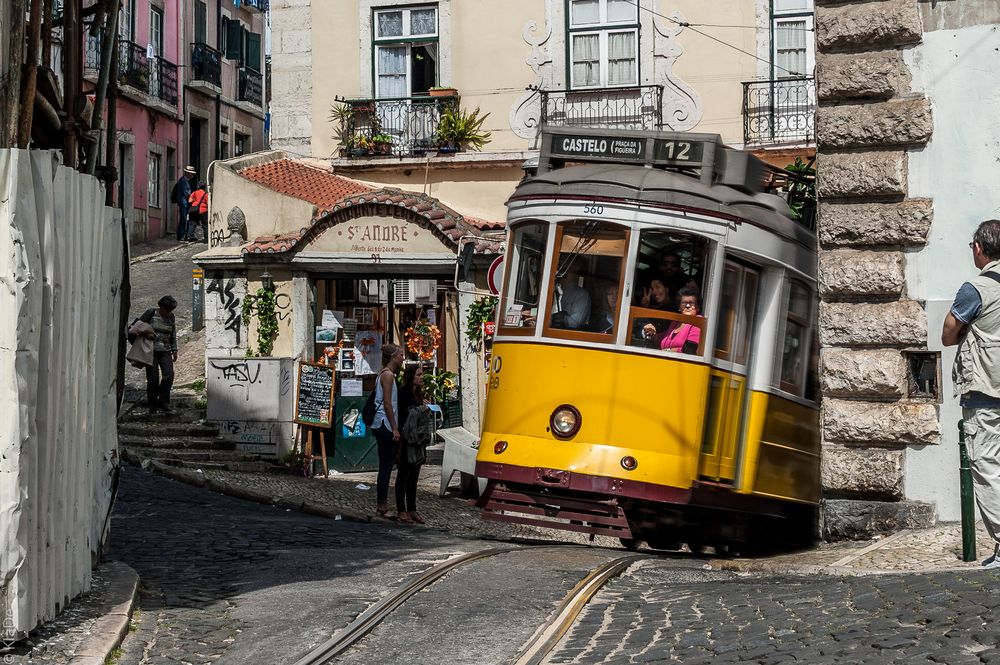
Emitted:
<point x="235" y="582"/>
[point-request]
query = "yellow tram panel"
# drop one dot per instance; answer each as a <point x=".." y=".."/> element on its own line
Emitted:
<point x="782" y="449"/>
<point x="651" y="408"/>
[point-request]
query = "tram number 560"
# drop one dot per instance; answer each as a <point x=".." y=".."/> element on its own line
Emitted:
<point x="593" y="210"/>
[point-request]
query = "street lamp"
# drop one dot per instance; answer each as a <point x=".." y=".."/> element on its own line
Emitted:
<point x="267" y="281"/>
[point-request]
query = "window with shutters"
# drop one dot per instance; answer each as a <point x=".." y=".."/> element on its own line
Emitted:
<point x="200" y="22"/>
<point x="252" y="59"/>
<point x="233" y="48"/>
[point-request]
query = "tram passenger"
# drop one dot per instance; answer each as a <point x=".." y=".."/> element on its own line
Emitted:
<point x="571" y="308"/>
<point x="604" y="320"/>
<point x="656" y="295"/>
<point x="670" y="273"/>
<point x="680" y="337"/>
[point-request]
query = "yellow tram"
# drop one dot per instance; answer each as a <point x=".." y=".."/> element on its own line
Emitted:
<point x="653" y="375"/>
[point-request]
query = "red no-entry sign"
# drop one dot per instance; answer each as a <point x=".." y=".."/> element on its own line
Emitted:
<point x="494" y="277"/>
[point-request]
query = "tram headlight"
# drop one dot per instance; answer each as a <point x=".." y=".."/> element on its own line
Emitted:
<point x="565" y="421"/>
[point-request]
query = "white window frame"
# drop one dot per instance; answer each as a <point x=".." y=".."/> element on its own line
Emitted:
<point x="605" y="63"/>
<point x="603" y="29"/>
<point x="809" y="44"/>
<point x="156" y="31"/>
<point x="154" y="177"/>
<point x="405" y="40"/>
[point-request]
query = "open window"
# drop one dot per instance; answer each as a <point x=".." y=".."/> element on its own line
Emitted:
<point x="584" y="295"/>
<point x="667" y="299"/>
<point x="525" y="260"/>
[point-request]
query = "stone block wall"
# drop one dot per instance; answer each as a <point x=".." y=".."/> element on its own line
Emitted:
<point x="866" y="122"/>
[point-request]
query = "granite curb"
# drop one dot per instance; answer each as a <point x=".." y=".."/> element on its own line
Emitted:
<point x="197" y="479"/>
<point x="112" y="627"/>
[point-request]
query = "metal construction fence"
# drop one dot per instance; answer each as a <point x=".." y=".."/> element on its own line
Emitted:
<point x="60" y="285"/>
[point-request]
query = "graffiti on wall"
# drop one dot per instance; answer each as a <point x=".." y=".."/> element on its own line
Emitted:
<point x="226" y="306"/>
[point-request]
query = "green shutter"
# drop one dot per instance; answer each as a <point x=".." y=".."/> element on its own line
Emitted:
<point x="253" y="51"/>
<point x="234" y="40"/>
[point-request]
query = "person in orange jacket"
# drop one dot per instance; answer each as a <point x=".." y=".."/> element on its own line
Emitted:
<point x="198" y="212"/>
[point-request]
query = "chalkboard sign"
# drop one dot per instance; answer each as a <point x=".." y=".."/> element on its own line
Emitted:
<point x="314" y="395"/>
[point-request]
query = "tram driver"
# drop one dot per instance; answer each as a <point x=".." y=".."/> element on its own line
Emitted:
<point x="571" y="309"/>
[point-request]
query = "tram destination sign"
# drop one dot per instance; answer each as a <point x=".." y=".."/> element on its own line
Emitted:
<point x="653" y="148"/>
<point x="617" y="148"/>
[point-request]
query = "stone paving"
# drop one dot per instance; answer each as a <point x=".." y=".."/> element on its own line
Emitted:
<point x="661" y="614"/>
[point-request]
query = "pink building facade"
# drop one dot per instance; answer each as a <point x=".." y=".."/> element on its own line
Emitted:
<point x="149" y="120"/>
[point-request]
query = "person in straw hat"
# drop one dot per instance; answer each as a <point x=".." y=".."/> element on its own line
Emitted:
<point x="180" y="195"/>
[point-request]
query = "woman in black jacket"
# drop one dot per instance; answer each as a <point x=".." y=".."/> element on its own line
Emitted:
<point x="411" y="395"/>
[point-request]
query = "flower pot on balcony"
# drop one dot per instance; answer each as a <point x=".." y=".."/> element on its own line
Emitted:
<point x="443" y="92"/>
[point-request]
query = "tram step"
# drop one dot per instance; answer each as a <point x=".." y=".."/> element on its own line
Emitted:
<point x="604" y="518"/>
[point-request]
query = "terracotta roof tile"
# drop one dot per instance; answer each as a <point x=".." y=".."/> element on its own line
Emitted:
<point x="321" y="188"/>
<point x="485" y="224"/>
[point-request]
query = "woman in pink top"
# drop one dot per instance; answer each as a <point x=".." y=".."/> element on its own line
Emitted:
<point x="684" y="337"/>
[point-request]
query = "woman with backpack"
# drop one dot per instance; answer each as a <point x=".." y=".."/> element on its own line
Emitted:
<point x="385" y="426"/>
<point x="198" y="212"/>
<point x="410" y="455"/>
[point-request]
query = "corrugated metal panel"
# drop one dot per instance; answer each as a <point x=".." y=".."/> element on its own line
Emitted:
<point x="60" y="283"/>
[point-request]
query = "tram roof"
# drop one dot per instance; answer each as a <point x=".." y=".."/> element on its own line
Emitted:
<point x="662" y="187"/>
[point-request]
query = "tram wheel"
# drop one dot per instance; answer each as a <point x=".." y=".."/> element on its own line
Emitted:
<point x="631" y="544"/>
<point x="665" y="544"/>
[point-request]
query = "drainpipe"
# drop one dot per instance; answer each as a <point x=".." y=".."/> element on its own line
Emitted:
<point x="218" y="97"/>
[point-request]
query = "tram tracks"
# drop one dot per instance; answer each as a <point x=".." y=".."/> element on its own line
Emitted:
<point x="544" y="640"/>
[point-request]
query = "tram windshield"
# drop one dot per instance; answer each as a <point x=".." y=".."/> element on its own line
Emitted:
<point x="667" y="306"/>
<point x="524" y="275"/>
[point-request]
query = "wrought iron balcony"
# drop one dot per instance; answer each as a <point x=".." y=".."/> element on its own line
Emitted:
<point x="206" y="64"/>
<point x="619" y="108"/>
<point x="163" y="80"/>
<point x="779" y="112"/>
<point x="261" y="5"/>
<point x="401" y="127"/>
<point x="133" y="66"/>
<point x="251" y="87"/>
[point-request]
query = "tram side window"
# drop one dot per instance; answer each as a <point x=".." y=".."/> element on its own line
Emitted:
<point x="524" y="271"/>
<point x="796" y="349"/>
<point x="586" y="277"/>
<point x="736" y="312"/>
<point x="667" y="293"/>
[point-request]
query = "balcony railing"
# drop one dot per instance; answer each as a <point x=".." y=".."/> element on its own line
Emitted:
<point x="163" y="83"/>
<point x="206" y="64"/>
<point x="154" y="76"/>
<point x="619" y="108"/>
<point x="779" y="112"/>
<point x="251" y="87"/>
<point x="401" y="127"/>
<point x="262" y="5"/>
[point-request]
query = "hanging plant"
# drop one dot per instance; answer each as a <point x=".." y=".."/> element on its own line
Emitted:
<point x="262" y="304"/>
<point x="479" y="312"/>
<point x="423" y="339"/>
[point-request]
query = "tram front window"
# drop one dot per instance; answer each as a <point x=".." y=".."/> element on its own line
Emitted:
<point x="586" y="277"/>
<point x="524" y="275"/>
<point x="667" y="300"/>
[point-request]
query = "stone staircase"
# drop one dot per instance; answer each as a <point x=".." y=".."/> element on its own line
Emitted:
<point x="180" y="439"/>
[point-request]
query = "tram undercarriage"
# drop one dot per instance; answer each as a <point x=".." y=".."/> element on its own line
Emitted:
<point x="710" y="516"/>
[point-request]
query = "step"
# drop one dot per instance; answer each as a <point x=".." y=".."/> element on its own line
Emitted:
<point x="194" y="455"/>
<point x="186" y="442"/>
<point x="214" y="466"/>
<point x="167" y="428"/>
<point x="180" y="414"/>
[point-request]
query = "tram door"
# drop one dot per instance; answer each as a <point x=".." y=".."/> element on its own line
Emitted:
<point x="728" y="382"/>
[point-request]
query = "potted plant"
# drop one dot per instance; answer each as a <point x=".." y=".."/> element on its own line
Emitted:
<point x="443" y="91"/>
<point x="342" y="116"/>
<point x="362" y="145"/>
<point x="382" y="144"/>
<point x="460" y="129"/>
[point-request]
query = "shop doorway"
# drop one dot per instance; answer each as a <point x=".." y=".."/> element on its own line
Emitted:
<point x="353" y="319"/>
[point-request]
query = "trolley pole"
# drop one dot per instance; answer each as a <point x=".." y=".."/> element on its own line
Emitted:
<point x="968" y="505"/>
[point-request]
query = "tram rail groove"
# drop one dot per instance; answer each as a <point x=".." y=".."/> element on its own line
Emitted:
<point x="374" y="615"/>
<point x="547" y="638"/>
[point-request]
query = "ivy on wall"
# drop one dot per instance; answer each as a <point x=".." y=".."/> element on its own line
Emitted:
<point x="263" y="304"/>
<point x="479" y="312"/>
